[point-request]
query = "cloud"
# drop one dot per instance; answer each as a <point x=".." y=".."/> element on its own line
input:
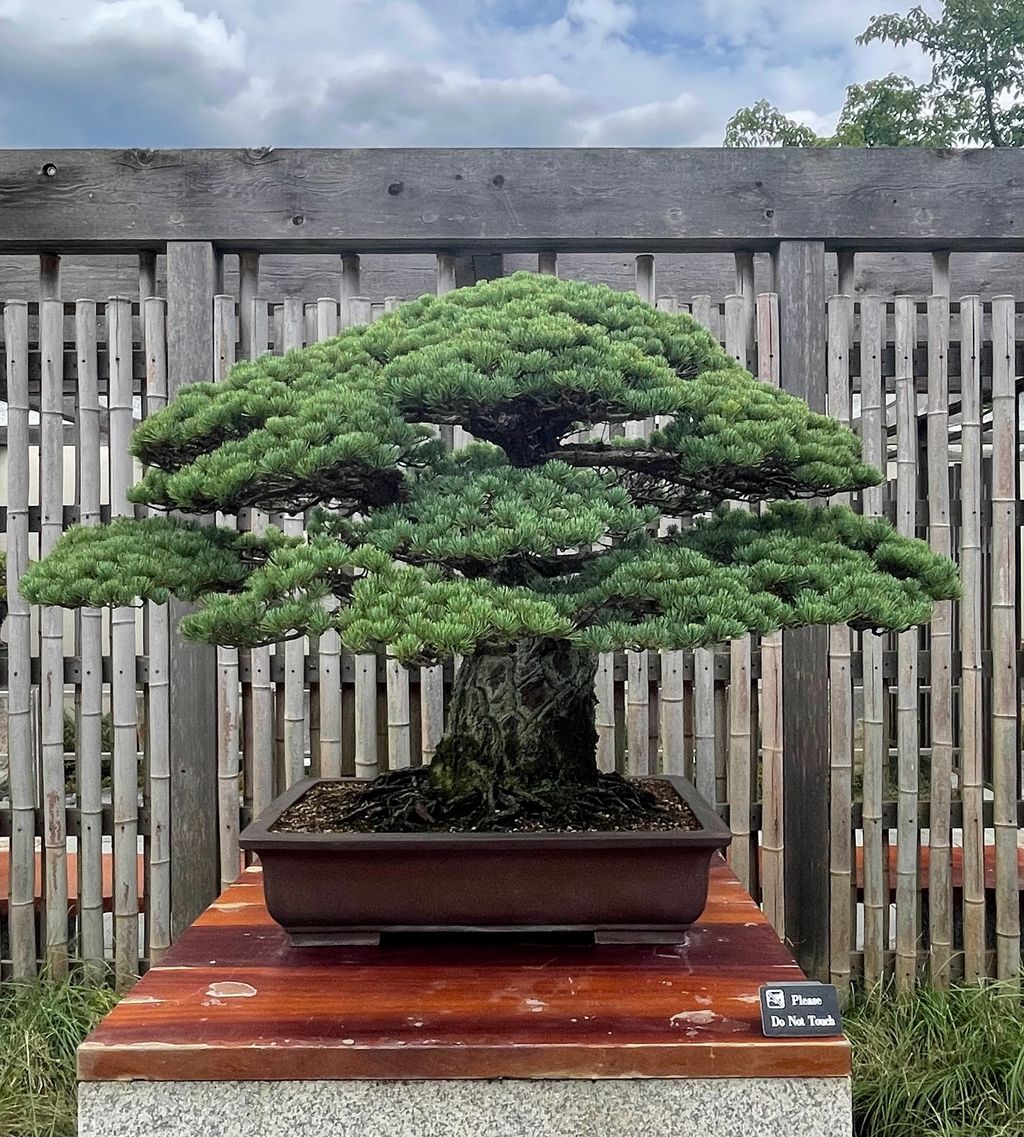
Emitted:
<point x="678" y="122"/>
<point x="419" y="72"/>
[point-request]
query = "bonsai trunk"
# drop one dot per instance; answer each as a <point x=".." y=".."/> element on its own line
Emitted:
<point x="520" y="722"/>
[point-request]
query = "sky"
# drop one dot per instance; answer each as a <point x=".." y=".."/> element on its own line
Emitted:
<point x="178" y="73"/>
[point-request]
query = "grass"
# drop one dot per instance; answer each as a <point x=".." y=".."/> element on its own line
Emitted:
<point x="41" y="1024"/>
<point x="935" y="1064"/>
<point x="939" y="1063"/>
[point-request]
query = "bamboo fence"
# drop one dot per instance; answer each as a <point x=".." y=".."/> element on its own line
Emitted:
<point x="924" y="857"/>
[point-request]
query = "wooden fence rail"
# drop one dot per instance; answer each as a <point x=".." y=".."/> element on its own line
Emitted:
<point x="872" y="783"/>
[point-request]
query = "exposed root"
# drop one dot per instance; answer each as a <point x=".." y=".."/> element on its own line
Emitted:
<point x="405" y="801"/>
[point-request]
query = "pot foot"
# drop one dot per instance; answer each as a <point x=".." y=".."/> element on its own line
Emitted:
<point x="334" y="939"/>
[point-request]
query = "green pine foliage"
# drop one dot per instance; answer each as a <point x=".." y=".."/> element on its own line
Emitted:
<point x="528" y="532"/>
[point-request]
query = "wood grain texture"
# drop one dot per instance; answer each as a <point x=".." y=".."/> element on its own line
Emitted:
<point x="800" y="280"/>
<point x="645" y="199"/>
<point x="478" y="1010"/>
<point x="192" y="668"/>
<point x="885" y="274"/>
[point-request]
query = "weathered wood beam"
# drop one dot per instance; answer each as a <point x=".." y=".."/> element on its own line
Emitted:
<point x="191" y="280"/>
<point x="507" y="199"/>
<point x="800" y="281"/>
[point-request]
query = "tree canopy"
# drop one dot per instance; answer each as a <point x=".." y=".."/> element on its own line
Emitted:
<point x="975" y="94"/>
<point x="529" y="532"/>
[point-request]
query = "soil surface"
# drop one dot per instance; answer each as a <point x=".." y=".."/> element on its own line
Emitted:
<point x="327" y="808"/>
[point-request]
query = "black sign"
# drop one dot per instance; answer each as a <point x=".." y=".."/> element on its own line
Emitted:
<point x="800" y="1010"/>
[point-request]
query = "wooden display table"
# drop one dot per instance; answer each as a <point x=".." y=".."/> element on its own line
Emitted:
<point x="235" y="1032"/>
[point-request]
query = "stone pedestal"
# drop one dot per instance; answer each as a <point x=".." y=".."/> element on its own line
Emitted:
<point x="236" y="1033"/>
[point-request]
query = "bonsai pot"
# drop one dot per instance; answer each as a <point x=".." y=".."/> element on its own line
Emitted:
<point x="349" y="888"/>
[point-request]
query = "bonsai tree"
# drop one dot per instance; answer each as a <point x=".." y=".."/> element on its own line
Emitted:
<point x="527" y="552"/>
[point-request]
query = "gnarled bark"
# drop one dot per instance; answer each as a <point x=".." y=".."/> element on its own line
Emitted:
<point x="520" y="720"/>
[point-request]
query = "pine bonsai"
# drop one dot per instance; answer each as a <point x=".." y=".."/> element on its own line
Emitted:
<point x="526" y="553"/>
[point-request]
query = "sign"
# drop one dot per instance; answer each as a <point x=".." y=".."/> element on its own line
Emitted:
<point x="800" y="1010"/>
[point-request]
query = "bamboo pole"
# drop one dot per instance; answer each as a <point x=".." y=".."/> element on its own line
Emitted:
<point x="907" y="725"/>
<point x="638" y="691"/>
<point x="738" y="335"/>
<point x="329" y="655"/>
<point x="367" y="761"/>
<point x="432" y="678"/>
<point x="293" y="331"/>
<point x="21" y="743"/>
<point x="397" y="684"/>
<point x="1005" y="706"/>
<point x="122" y="653"/>
<point x="261" y="684"/>
<point x="770" y="717"/>
<point x="604" y="714"/>
<point x="972" y="756"/>
<point x="399" y="720"/>
<point x="51" y="642"/>
<point x="842" y="892"/>
<point x="229" y="709"/>
<point x="874" y="446"/>
<point x="940" y="882"/>
<point x="672" y="691"/>
<point x="158" y="715"/>
<point x="704" y="757"/>
<point x="89" y="708"/>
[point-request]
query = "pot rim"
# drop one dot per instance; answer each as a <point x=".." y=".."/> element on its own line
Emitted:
<point x="259" y="836"/>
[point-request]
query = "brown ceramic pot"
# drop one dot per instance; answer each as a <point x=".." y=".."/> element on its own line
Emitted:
<point x="337" y="888"/>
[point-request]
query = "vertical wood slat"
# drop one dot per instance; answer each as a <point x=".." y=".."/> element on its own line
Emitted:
<point x="192" y="667"/>
<point x="971" y="676"/>
<point x="940" y="882"/>
<point x="907" y="726"/>
<point x="1005" y="705"/>
<point x="329" y="656"/>
<point x="841" y="853"/>
<point x="122" y="656"/>
<point x="704" y="758"/>
<point x="51" y="641"/>
<point x="367" y="759"/>
<point x="738" y="336"/>
<point x="262" y="727"/>
<point x="293" y="334"/>
<point x="229" y="708"/>
<point x="158" y="631"/>
<point x="874" y="449"/>
<point x="800" y="283"/>
<point x="770" y="716"/>
<point x="21" y="745"/>
<point x="89" y="627"/>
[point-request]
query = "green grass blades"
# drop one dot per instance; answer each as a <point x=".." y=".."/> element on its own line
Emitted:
<point x="939" y="1063"/>
<point x="41" y="1024"/>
